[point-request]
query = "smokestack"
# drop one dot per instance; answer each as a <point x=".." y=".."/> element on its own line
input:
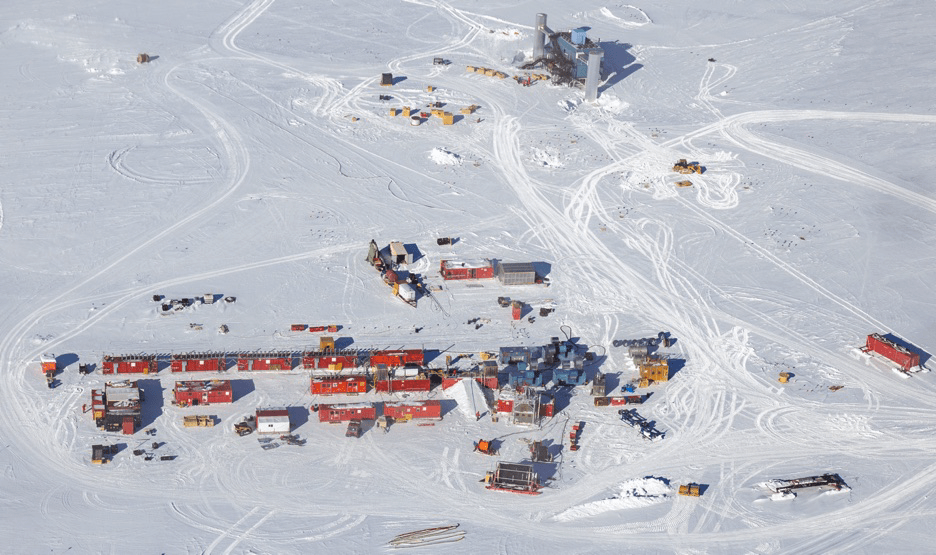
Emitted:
<point x="593" y="74"/>
<point x="539" y="36"/>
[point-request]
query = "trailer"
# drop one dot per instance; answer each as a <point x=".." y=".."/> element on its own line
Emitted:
<point x="413" y="410"/>
<point x="197" y="362"/>
<point x="890" y="350"/>
<point x="339" y="385"/>
<point x="513" y="478"/>
<point x="347" y="412"/>
<point x="203" y="392"/>
<point x="466" y="269"/>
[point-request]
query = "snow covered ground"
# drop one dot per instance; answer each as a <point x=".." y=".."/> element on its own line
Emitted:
<point x="253" y="157"/>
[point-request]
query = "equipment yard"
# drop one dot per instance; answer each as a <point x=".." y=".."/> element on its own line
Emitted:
<point x="663" y="280"/>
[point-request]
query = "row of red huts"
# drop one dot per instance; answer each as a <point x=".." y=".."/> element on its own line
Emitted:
<point x="402" y="410"/>
<point x="260" y="361"/>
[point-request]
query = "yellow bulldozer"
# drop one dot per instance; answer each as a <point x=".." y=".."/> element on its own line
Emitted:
<point x="682" y="166"/>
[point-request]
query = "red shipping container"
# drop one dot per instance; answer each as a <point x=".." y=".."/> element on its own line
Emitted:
<point x="129" y="365"/>
<point x="413" y="410"/>
<point x="128" y="426"/>
<point x="270" y="363"/>
<point x="546" y="409"/>
<point x="345" y="361"/>
<point x="404" y="384"/>
<point x="344" y="413"/>
<point x="333" y="386"/>
<point x="203" y="392"/>
<point x="196" y="365"/>
<point x="468" y="269"/>
<point x="517" y="309"/>
<point x="892" y="351"/>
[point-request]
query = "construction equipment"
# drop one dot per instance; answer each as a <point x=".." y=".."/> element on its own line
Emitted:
<point x="784" y="377"/>
<point x="690" y="490"/>
<point x="539" y="452"/>
<point x="143" y="58"/>
<point x="244" y="428"/>
<point x="514" y="478"/>
<point x="684" y="183"/>
<point x="485" y="447"/>
<point x="682" y="166"/>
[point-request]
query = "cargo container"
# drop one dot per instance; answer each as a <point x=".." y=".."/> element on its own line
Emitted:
<point x="203" y="392"/>
<point x="403" y="384"/>
<point x="413" y="410"/>
<point x="883" y="346"/>
<point x="397" y="358"/>
<point x="347" y="412"/>
<point x="466" y="269"/>
<point x="340" y="360"/>
<point x="129" y="364"/>
<point x="339" y="385"/>
<point x="203" y="362"/>
<point x="271" y="361"/>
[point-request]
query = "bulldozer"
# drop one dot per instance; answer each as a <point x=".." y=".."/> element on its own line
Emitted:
<point x="682" y="166"/>
<point x="690" y="490"/>
<point x="244" y="428"/>
<point x="485" y="447"/>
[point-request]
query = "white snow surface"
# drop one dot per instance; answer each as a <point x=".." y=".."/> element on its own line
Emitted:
<point x="253" y="157"/>
<point x="470" y="397"/>
<point x="632" y="494"/>
<point x="443" y="157"/>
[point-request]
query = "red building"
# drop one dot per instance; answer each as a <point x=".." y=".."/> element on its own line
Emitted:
<point x="118" y="408"/>
<point x="260" y="362"/>
<point x="397" y="358"/>
<point x="203" y="392"/>
<point x="466" y="269"/>
<point x="413" y="410"/>
<point x="345" y="413"/>
<point x="901" y="355"/>
<point x="341" y="360"/>
<point x="197" y="362"/>
<point x="338" y="385"/>
<point x="505" y="400"/>
<point x="129" y="364"/>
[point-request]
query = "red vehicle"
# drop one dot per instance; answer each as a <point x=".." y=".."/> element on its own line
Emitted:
<point x="892" y="351"/>
<point x="130" y="364"/>
<point x="412" y="410"/>
<point x="346" y="413"/>
<point x="338" y="385"/>
<point x="466" y="269"/>
<point x="197" y="363"/>
<point x="203" y="392"/>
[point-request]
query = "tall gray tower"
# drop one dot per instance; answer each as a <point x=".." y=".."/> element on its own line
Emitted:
<point x="539" y="37"/>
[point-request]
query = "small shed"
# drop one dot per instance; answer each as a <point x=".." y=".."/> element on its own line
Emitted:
<point x="400" y="254"/>
<point x="273" y="421"/>
<point x="516" y="273"/>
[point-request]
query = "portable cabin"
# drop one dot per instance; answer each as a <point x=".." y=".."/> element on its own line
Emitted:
<point x="413" y="410"/>
<point x="516" y="273"/>
<point x="505" y="400"/>
<point x="271" y="361"/>
<point x="386" y="79"/>
<point x="598" y="388"/>
<point x="48" y="365"/>
<point x="200" y="362"/>
<point x="203" y="392"/>
<point x="129" y="364"/>
<point x="339" y="385"/>
<point x="399" y="253"/>
<point x="273" y="421"/>
<point x="387" y="380"/>
<point x="655" y="369"/>
<point x="889" y="349"/>
<point x="347" y="412"/>
<point x="489" y="374"/>
<point x="397" y="358"/>
<point x="547" y="406"/>
<point x="466" y="269"/>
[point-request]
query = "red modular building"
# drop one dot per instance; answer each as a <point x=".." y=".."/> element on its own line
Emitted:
<point x="397" y="358"/>
<point x="129" y="364"/>
<point x="269" y="361"/>
<point x="202" y="362"/>
<point x="203" y="392"/>
<point x="345" y="413"/>
<point x="901" y="355"/>
<point x="505" y="400"/>
<point x="338" y="385"/>
<point x="466" y="269"/>
<point x="413" y="410"/>
<point x="332" y="361"/>
<point x="547" y="407"/>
